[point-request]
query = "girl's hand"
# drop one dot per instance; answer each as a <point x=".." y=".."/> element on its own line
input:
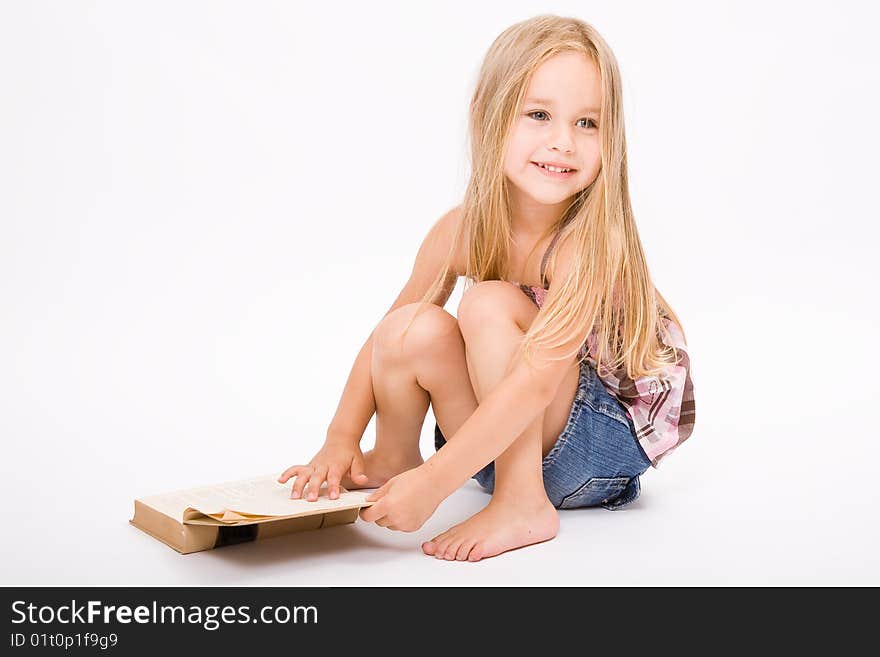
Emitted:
<point x="404" y="502"/>
<point x="332" y="463"/>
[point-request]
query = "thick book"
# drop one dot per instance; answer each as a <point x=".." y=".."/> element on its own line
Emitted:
<point x="208" y="517"/>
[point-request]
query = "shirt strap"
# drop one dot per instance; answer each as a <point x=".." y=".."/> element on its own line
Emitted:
<point x="546" y="255"/>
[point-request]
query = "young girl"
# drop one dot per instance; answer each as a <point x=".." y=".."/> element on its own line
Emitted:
<point x="557" y="384"/>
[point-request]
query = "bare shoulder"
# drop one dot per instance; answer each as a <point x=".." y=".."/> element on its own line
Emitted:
<point x="447" y="229"/>
<point x="431" y="259"/>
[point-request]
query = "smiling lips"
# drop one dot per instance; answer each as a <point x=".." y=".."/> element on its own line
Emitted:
<point x="557" y="173"/>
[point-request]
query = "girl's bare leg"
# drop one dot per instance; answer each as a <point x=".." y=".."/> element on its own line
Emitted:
<point x="519" y="513"/>
<point x="426" y="366"/>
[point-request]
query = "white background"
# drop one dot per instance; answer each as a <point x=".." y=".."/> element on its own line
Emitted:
<point x="205" y="207"/>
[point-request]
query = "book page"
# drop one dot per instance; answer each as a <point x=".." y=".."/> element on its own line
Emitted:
<point x="249" y="499"/>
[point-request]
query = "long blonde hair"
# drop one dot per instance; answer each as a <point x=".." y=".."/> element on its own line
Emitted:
<point x="608" y="287"/>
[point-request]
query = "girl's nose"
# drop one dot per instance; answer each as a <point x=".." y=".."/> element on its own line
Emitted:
<point x="562" y="140"/>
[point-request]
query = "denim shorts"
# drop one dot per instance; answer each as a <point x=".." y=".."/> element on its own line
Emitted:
<point x="596" y="461"/>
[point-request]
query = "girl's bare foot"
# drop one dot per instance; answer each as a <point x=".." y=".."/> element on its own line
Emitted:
<point x="379" y="468"/>
<point x="497" y="528"/>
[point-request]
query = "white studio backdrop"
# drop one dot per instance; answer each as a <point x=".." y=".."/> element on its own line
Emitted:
<point x="205" y="208"/>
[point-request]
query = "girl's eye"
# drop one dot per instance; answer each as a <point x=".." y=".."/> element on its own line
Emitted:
<point x="590" y="121"/>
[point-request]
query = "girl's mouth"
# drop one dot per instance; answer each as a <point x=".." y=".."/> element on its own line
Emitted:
<point x="554" y="174"/>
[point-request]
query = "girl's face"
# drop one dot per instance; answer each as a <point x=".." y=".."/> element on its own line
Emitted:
<point x="558" y="124"/>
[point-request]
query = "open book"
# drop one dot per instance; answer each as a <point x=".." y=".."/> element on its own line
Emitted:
<point x="207" y="517"/>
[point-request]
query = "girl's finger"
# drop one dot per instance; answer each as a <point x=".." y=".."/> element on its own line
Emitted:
<point x="372" y="513"/>
<point x="302" y="478"/>
<point x="315" y="482"/>
<point x="333" y="479"/>
<point x="287" y="474"/>
<point x="357" y="469"/>
<point x="378" y="493"/>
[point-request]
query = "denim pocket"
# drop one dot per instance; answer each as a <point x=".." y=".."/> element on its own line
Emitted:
<point x="597" y="490"/>
<point x="613" y="412"/>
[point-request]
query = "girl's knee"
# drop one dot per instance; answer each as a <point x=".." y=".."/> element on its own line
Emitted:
<point x="487" y="301"/>
<point x="414" y="328"/>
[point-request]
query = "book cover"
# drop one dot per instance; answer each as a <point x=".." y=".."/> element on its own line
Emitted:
<point x="208" y="517"/>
